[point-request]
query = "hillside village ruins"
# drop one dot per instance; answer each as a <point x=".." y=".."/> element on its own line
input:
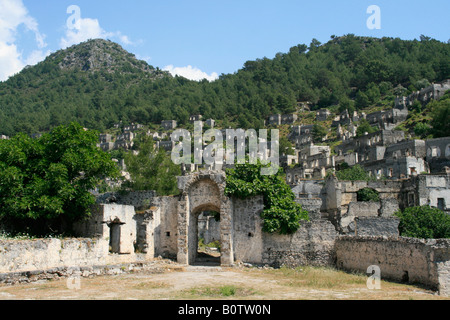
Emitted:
<point x="342" y="232"/>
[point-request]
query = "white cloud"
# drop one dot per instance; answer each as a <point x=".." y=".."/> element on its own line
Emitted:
<point x="191" y="73"/>
<point x="13" y="14"/>
<point x="37" y="56"/>
<point x="10" y="61"/>
<point x="88" y="28"/>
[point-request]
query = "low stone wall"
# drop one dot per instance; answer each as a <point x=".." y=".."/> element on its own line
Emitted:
<point x="375" y="226"/>
<point x="13" y="278"/>
<point x="312" y="244"/>
<point x="31" y="255"/>
<point x="425" y="262"/>
<point x="45" y="254"/>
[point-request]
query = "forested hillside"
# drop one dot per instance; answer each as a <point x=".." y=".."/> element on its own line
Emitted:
<point x="97" y="84"/>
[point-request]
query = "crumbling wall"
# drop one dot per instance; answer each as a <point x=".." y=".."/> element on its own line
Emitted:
<point x="431" y="190"/>
<point x="312" y="244"/>
<point x="164" y="233"/>
<point x="32" y="255"/>
<point x="374" y="226"/>
<point x="247" y="229"/>
<point x="141" y="200"/>
<point x="409" y="260"/>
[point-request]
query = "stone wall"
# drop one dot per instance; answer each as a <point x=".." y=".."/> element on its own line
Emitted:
<point x="74" y="272"/>
<point x="247" y="229"/>
<point x="374" y="226"/>
<point x="312" y="244"/>
<point x="432" y="190"/>
<point x="164" y="231"/>
<point x="438" y="154"/>
<point x="112" y="222"/>
<point x="32" y="255"/>
<point x="409" y="260"/>
<point x="139" y="199"/>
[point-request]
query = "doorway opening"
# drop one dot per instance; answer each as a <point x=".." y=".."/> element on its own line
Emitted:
<point x="208" y="238"/>
<point x="114" y="236"/>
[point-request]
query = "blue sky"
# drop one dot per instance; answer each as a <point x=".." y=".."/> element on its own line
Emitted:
<point x="204" y="38"/>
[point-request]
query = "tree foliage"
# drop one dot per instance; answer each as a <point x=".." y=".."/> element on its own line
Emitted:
<point x="424" y="222"/>
<point x="345" y="69"/>
<point x="368" y="195"/>
<point x="51" y="177"/>
<point x="364" y="127"/>
<point x="354" y="173"/>
<point x="440" y="116"/>
<point x="152" y="169"/>
<point x="319" y="132"/>
<point x="281" y="213"/>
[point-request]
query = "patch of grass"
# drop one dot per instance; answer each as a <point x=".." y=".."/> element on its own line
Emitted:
<point x="149" y="285"/>
<point x="319" y="278"/>
<point x="225" y="291"/>
<point x="25" y="236"/>
<point x="202" y="245"/>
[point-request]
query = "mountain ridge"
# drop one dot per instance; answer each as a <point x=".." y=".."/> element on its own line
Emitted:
<point x="98" y="83"/>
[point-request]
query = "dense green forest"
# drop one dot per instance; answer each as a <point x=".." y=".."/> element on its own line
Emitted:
<point x="97" y="84"/>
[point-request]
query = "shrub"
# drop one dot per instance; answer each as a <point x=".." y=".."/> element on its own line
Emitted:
<point x="281" y="213"/>
<point x="368" y="195"/>
<point x="354" y="173"/>
<point x="424" y="222"/>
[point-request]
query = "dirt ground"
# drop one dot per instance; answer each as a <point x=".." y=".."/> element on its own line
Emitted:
<point x="171" y="281"/>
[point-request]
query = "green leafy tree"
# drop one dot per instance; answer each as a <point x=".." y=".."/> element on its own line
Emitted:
<point x="422" y="130"/>
<point x="363" y="127"/>
<point x="416" y="107"/>
<point x="346" y="104"/>
<point x="368" y="195"/>
<point x="424" y="222"/>
<point x="347" y="66"/>
<point x="152" y="169"/>
<point x="423" y="83"/>
<point x="319" y="133"/>
<point x="440" y="117"/>
<point x="281" y="213"/>
<point x="362" y="101"/>
<point x="355" y="173"/>
<point x="373" y="93"/>
<point x="49" y="179"/>
<point x="286" y="147"/>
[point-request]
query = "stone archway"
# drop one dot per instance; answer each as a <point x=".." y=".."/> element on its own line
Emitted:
<point x="203" y="191"/>
<point x="193" y="229"/>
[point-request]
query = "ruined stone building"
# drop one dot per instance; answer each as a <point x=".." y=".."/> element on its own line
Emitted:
<point x="278" y="119"/>
<point x="133" y="127"/>
<point x="343" y="119"/>
<point x="141" y="226"/>
<point x="424" y="96"/>
<point x="169" y="124"/>
<point x="388" y="119"/>
<point x="322" y="115"/>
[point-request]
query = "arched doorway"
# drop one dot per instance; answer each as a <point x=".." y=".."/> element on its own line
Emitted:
<point x="203" y="192"/>
<point x="205" y="237"/>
